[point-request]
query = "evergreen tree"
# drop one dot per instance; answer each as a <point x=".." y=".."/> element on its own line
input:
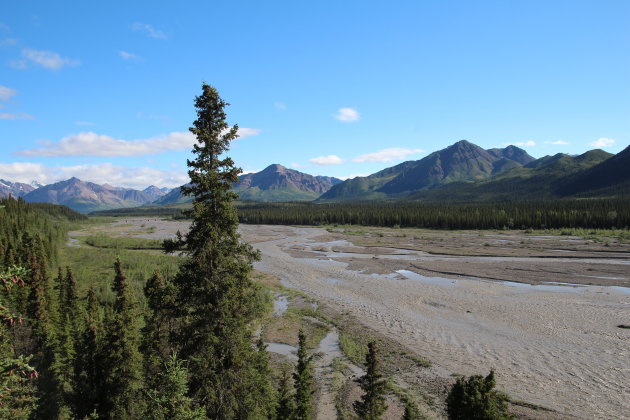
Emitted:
<point x="303" y="381"/>
<point x="45" y="345"/>
<point x="215" y="300"/>
<point x="411" y="412"/>
<point x="155" y="346"/>
<point x="284" y="409"/>
<point x="123" y="361"/>
<point x="169" y="401"/>
<point x="474" y="398"/>
<point x="372" y="404"/>
<point x="89" y="370"/>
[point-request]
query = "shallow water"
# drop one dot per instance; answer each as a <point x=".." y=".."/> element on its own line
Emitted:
<point x="283" y="349"/>
<point x="280" y="305"/>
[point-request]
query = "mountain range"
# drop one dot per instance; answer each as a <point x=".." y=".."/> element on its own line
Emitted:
<point x="17" y="189"/>
<point x="462" y="161"/>
<point x="274" y="183"/>
<point x="460" y="172"/>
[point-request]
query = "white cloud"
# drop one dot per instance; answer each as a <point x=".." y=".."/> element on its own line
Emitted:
<point x="529" y="143"/>
<point x="128" y="56"/>
<point x="347" y="115"/>
<point x="248" y="132"/>
<point x="6" y="93"/>
<point x="296" y="165"/>
<point x="148" y="30"/>
<point x="280" y="105"/>
<point x="561" y="142"/>
<point x="326" y="160"/>
<point x="351" y="176"/>
<point x="387" y="155"/>
<point x="92" y="144"/>
<point x="603" y="142"/>
<point x="103" y="173"/>
<point x="17" y="116"/>
<point x="47" y="59"/>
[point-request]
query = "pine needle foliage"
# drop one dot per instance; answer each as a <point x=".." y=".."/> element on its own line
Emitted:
<point x="372" y="404"/>
<point x="284" y="409"/>
<point x="123" y="361"/>
<point x="215" y="300"/>
<point x="474" y="398"/>
<point x="303" y="380"/>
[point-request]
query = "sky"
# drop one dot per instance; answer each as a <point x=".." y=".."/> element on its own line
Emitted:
<point x="104" y="91"/>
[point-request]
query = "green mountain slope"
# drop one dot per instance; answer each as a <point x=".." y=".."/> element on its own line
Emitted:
<point x="543" y="178"/>
<point x="462" y="161"/>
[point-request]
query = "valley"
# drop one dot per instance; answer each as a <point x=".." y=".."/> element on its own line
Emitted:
<point x="540" y="308"/>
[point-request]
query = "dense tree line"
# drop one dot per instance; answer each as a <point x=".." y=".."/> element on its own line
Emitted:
<point x="589" y="214"/>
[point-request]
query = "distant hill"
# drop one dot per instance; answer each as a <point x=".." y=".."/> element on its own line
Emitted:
<point x="611" y="177"/>
<point x="462" y="161"/>
<point x="16" y="189"/>
<point x="544" y="178"/>
<point x="274" y="183"/>
<point x="85" y="197"/>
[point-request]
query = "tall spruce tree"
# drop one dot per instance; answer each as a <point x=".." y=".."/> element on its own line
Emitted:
<point x="89" y="364"/>
<point x="215" y="299"/>
<point x="372" y="404"/>
<point x="284" y="410"/>
<point x="303" y="381"/>
<point x="122" y="358"/>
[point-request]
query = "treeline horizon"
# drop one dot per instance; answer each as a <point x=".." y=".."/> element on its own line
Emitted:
<point x="585" y="214"/>
<point x="543" y="214"/>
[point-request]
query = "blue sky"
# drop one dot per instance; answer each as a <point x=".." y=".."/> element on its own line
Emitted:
<point x="104" y="90"/>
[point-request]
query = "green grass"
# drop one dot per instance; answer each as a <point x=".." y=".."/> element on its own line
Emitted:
<point x="94" y="267"/>
<point x="353" y="346"/>
<point x="104" y="241"/>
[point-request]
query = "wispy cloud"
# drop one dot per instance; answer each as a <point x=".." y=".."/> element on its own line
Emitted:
<point x="387" y="155"/>
<point x="140" y="177"/>
<point x="280" y="105"/>
<point x="6" y="93"/>
<point x="47" y="59"/>
<point x="347" y="115"/>
<point x="16" y="116"/>
<point x="7" y="42"/>
<point x="92" y="144"/>
<point x="128" y="56"/>
<point x="603" y="142"/>
<point x="149" y="30"/>
<point x="326" y="160"/>
<point x="529" y="143"/>
<point x="559" y="142"/>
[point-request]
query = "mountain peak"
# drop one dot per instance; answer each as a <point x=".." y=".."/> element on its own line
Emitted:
<point x="275" y="167"/>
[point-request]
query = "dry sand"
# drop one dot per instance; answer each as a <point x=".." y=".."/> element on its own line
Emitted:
<point x="556" y="346"/>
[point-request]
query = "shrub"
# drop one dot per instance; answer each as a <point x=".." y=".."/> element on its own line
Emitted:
<point x="474" y="398"/>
